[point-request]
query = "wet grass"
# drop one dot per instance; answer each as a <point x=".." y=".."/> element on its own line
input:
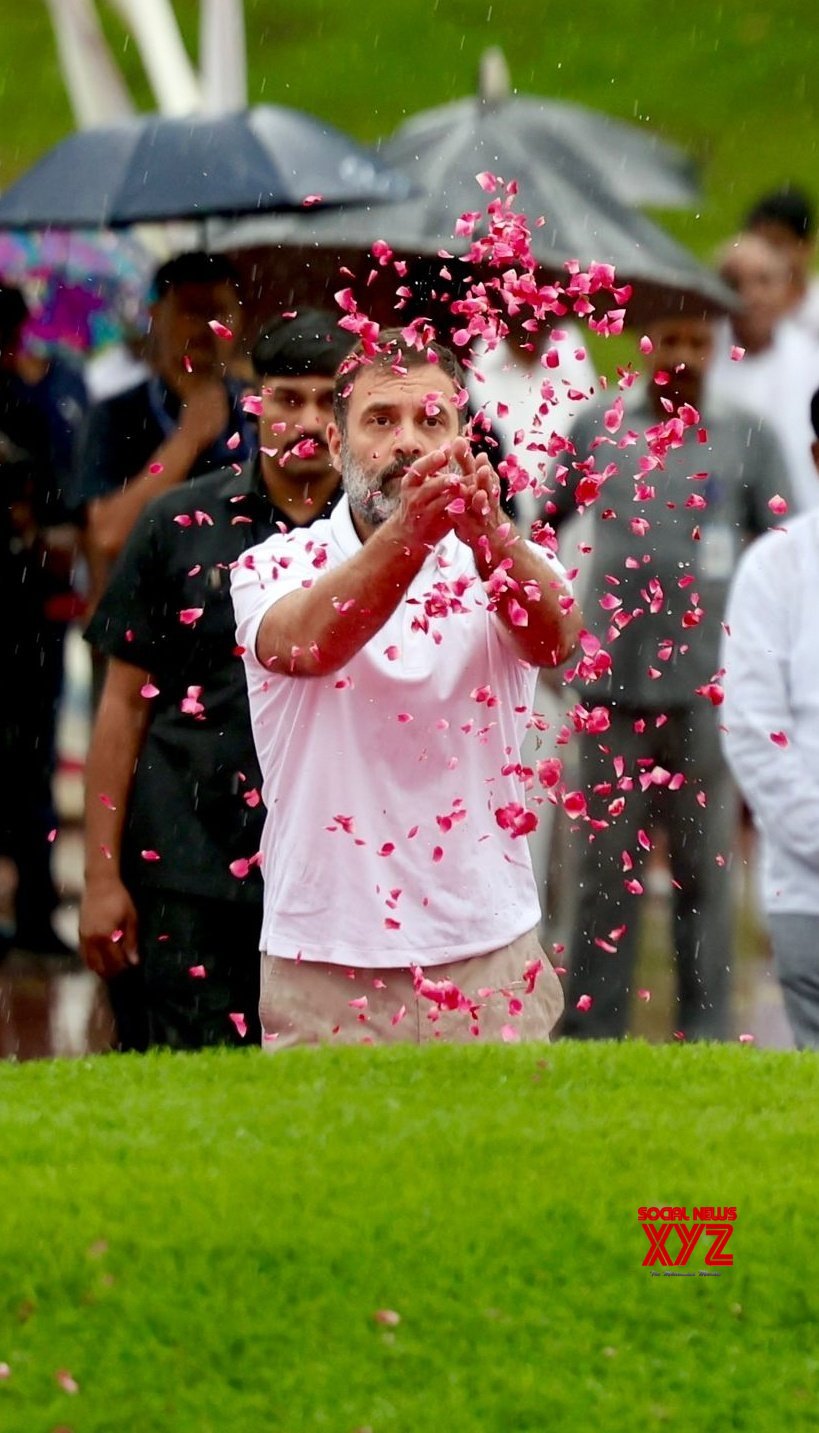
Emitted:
<point x="204" y="1244"/>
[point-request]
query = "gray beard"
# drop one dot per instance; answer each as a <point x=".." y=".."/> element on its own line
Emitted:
<point x="365" y="490"/>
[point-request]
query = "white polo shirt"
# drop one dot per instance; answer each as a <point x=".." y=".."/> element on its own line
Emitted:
<point x="770" y="718"/>
<point x="382" y="781"/>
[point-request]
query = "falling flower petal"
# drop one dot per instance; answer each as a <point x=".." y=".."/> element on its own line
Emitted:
<point x="240" y="1023"/>
<point x="220" y="329"/>
<point x="584" y="1003"/>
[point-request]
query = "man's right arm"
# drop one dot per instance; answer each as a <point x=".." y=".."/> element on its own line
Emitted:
<point x="315" y="630"/>
<point x="110" y="518"/>
<point x="108" y="922"/>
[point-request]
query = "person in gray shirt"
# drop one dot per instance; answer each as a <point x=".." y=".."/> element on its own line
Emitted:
<point x="677" y="489"/>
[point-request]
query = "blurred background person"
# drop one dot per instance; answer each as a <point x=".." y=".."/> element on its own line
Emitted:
<point x="770" y="730"/>
<point x="42" y="402"/>
<point x="185" y="419"/>
<point x="786" y="219"/>
<point x="763" y="361"/>
<point x="172" y="769"/>
<point x="664" y="548"/>
<point x="531" y="386"/>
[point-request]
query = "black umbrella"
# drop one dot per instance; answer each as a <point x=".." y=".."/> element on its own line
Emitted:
<point x="155" y="169"/>
<point x="298" y="256"/>
<point x="636" y="165"/>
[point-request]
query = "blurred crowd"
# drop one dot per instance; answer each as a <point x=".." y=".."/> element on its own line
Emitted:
<point x="133" y="481"/>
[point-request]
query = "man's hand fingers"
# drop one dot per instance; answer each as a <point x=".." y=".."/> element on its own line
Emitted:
<point x="423" y="468"/>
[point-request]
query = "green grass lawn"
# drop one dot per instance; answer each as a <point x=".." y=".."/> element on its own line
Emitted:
<point x="734" y="82"/>
<point x="203" y="1243"/>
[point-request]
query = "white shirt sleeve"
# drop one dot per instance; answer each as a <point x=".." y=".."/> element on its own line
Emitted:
<point x="780" y="782"/>
<point x="264" y="575"/>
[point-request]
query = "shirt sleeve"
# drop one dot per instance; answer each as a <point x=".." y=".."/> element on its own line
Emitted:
<point x="264" y="575"/>
<point x="780" y="783"/>
<point x="131" y="620"/>
<point x="117" y="439"/>
<point x="767" y="477"/>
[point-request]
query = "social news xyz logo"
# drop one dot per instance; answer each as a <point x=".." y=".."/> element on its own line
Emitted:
<point x="673" y="1236"/>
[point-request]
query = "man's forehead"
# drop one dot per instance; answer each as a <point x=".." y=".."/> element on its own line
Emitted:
<point x="384" y="386"/>
<point x="305" y="383"/>
<point x="682" y="328"/>
<point x="195" y="298"/>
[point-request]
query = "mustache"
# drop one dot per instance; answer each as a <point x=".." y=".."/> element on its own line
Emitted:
<point x="396" y="469"/>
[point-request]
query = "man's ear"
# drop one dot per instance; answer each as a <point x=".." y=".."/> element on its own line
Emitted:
<point x="334" y="444"/>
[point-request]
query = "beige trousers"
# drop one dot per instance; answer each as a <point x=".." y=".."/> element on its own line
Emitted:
<point x="313" y="1003"/>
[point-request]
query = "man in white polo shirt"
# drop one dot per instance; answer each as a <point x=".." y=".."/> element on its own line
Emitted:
<point x="770" y="731"/>
<point x="391" y="655"/>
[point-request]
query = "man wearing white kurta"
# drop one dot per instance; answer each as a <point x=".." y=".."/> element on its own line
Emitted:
<point x="771" y="737"/>
<point x="391" y="662"/>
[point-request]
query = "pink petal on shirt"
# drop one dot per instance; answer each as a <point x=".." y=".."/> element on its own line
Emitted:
<point x="518" y="615"/>
<point x="387" y="849"/>
<point x="404" y="717"/>
<point x="779" y="738"/>
<point x="391" y="653"/>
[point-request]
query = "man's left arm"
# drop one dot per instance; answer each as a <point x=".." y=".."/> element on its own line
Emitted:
<point x="530" y="597"/>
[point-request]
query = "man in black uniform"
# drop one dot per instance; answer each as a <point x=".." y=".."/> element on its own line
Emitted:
<point x="173" y="807"/>
<point x="181" y="422"/>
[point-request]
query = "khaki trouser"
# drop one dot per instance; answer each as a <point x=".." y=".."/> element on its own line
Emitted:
<point x="312" y="1003"/>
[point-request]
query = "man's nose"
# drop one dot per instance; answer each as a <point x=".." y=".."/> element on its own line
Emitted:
<point x="407" y="441"/>
<point x="312" y="421"/>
